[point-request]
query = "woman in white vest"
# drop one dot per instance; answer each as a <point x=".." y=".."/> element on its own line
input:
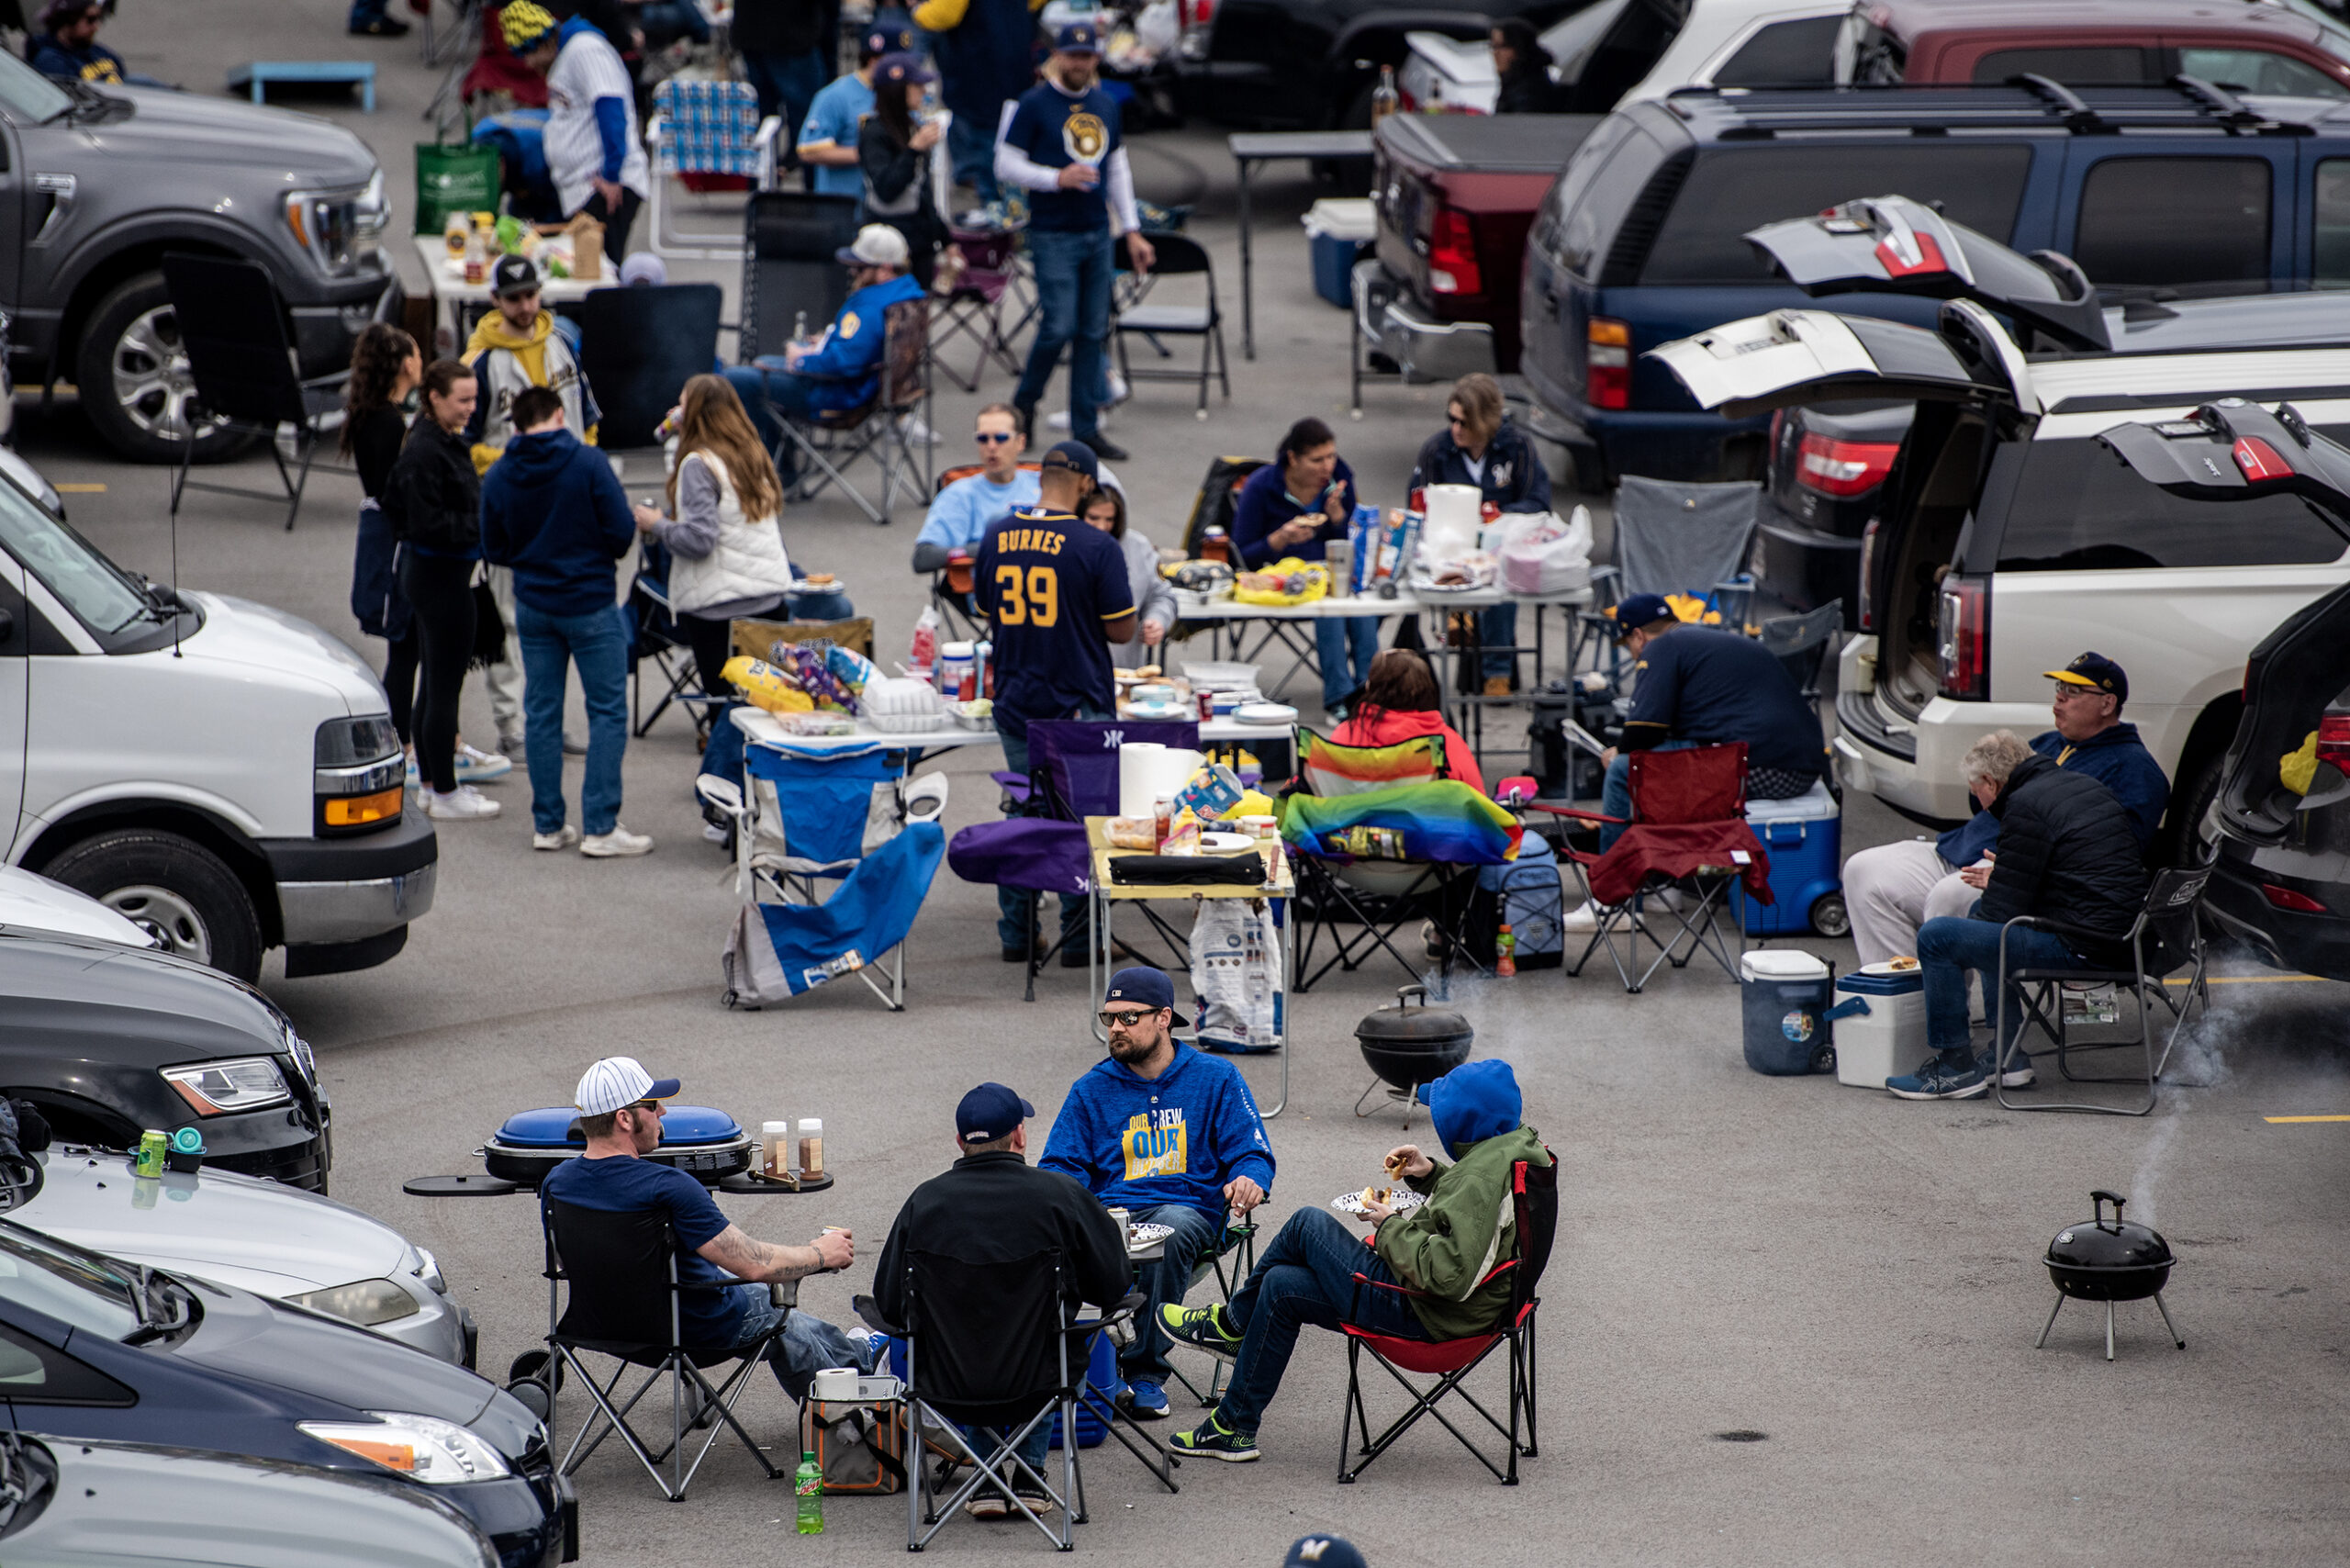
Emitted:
<point x="723" y="530"/>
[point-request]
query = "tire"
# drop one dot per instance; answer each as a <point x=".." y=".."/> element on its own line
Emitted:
<point x="2183" y="842"/>
<point x="173" y="888"/>
<point x="1829" y="917"/>
<point x="134" y="378"/>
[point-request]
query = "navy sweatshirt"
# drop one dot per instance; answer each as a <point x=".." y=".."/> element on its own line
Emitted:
<point x="552" y="509"/>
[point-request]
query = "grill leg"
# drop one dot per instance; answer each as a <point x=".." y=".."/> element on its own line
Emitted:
<point x="2044" y="1328"/>
<point x="2174" y="1335"/>
<point x="2109" y="1331"/>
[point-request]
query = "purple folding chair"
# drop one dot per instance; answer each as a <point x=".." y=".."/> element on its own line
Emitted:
<point x="1077" y="760"/>
<point x="1032" y="854"/>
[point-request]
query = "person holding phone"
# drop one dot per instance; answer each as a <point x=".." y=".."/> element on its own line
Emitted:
<point x="1292" y="506"/>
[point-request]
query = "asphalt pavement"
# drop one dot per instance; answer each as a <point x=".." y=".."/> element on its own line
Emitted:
<point x="1854" y="1278"/>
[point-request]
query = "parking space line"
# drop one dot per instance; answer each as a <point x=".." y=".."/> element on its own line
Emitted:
<point x="2274" y="1119"/>
<point x="78" y="490"/>
<point x="2208" y="979"/>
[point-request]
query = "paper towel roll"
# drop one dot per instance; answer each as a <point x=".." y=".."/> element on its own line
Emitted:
<point x="1453" y="518"/>
<point x="1138" y="778"/>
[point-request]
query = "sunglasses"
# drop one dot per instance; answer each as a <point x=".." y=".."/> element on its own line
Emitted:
<point x="994" y="438"/>
<point x="1125" y="1020"/>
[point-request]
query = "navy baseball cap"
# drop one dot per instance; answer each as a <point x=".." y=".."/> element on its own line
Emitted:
<point x="1143" y="987"/>
<point x="2096" y="671"/>
<point x="896" y="70"/>
<point x="1640" y="610"/>
<point x="1077" y="37"/>
<point x="990" y="1112"/>
<point x="1079" y="458"/>
<point x="1324" y="1551"/>
<point x="887" y="40"/>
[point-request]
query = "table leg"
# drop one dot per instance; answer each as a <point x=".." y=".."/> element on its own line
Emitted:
<point x="1247" y="285"/>
<point x="1287" y="1033"/>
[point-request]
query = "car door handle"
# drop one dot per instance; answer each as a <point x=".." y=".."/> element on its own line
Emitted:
<point x="61" y="190"/>
<point x="7" y="625"/>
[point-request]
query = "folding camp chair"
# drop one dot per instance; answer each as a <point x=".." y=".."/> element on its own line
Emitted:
<point x="805" y="815"/>
<point x="991" y="1345"/>
<point x="1534" y="1210"/>
<point x="1231" y="1263"/>
<point x="1179" y="257"/>
<point x="1687" y="835"/>
<point x="705" y="129"/>
<point x="973" y="307"/>
<point x="1803" y="644"/>
<point x="1675" y="538"/>
<point x="2165" y="934"/>
<point x="791" y="282"/>
<point x="879" y="430"/>
<point x="950" y="589"/>
<point x="621" y="1269"/>
<point x="231" y="325"/>
<point x="656" y="642"/>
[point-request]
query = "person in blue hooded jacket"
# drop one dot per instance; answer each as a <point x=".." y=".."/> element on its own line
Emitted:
<point x="1170" y="1135"/>
<point x="842" y="370"/>
<point x="1444" y="1252"/>
<point x="553" y="511"/>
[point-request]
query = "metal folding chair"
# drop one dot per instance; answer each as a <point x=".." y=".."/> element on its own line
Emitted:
<point x="973" y="309"/>
<point x="1179" y="257"/>
<point x="658" y="644"/>
<point x="705" y="128"/>
<point x="881" y="430"/>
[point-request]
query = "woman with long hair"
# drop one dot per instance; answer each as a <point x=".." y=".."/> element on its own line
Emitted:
<point x="723" y="530"/>
<point x="897" y="152"/>
<point x="1483" y="447"/>
<point x="386" y="368"/>
<point x="432" y="499"/>
<point x="1524" y="67"/>
<point x="1105" y="509"/>
<point x="1401" y="701"/>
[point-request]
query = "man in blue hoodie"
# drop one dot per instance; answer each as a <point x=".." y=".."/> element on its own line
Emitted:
<point x="842" y="370"/>
<point x="552" y="509"/>
<point x="1442" y="1255"/>
<point x="1171" y="1135"/>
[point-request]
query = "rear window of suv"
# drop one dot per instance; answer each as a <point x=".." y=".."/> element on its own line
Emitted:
<point x="1733" y="189"/>
<point x="2075" y="507"/>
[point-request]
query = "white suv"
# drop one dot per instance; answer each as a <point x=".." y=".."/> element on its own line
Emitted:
<point x="2008" y="540"/>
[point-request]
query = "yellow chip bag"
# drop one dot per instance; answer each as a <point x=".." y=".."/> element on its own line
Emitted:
<point x="764" y="686"/>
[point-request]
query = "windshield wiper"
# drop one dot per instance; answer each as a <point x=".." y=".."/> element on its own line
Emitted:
<point x="153" y="1285"/>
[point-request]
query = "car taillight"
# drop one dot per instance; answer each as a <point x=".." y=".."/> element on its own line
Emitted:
<point x="1868" y="574"/>
<point x="1196" y="16"/>
<point x="1965" y="635"/>
<point x="1452" y="254"/>
<point x="2286" y="898"/>
<point x="2334" y="739"/>
<point x="1607" y="359"/>
<point x="1843" y="467"/>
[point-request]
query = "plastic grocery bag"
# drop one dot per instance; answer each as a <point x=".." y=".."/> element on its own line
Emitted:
<point x="1544" y="555"/>
<point x="1236" y="972"/>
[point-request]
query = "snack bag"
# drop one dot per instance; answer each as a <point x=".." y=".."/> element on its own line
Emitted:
<point x="1213" y="791"/>
<point x="851" y="668"/>
<point x="764" y="686"/>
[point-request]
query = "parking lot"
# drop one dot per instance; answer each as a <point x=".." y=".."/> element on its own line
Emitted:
<point x="1788" y="1321"/>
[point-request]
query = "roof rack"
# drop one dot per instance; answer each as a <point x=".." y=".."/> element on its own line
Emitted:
<point x="2028" y="102"/>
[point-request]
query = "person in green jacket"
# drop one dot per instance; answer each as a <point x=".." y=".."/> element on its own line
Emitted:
<point x="1445" y="1250"/>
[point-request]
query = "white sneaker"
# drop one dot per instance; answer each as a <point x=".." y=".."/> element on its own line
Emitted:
<point x="562" y="837"/>
<point x="616" y="843"/>
<point x="1119" y="390"/>
<point x="460" y="804"/>
<point x="477" y="767"/>
<point x="1584" y="917"/>
<point x="1058" y="419"/>
<point x="916" y="432"/>
<point x="415" y="779"/>
<point x="713" y="833"/>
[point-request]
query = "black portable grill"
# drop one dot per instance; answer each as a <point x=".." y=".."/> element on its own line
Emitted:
<point x="706" y="1144"/>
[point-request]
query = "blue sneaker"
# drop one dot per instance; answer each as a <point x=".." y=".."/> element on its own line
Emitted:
<point x="1145" y="1399"/>
<point x="1202" y="1327"/>
<point x="1945" y="1078"/>
<point x="479" y="766"/>
<point x="1216" y="1440"/>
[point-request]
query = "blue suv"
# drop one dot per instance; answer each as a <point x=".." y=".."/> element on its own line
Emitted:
<point x="2158" y="192"/>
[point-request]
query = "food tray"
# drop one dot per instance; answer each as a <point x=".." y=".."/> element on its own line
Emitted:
<point x="1220" y="675"/>
<point x="1351" y="1202"/>
<point x="906" y="724"/>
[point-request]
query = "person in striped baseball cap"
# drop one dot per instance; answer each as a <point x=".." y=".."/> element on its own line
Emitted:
<point x="595" y="154"/>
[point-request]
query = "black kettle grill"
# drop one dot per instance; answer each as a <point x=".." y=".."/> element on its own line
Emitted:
<point x="2109" y="1261"/>
<point x="1409" y="1046"/>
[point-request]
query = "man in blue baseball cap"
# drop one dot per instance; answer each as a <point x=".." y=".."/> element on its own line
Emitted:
<point x="1703" y="686"/>
<point x="1170" y="1135"/>
<point x="828" y="138"/>
<point x="992" y="1206"/>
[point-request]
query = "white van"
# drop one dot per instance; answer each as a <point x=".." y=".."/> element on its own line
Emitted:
<point x="222" y="774"/>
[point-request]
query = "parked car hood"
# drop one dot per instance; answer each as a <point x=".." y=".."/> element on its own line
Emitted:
<point x="192" y="128"/>
<point x="28" y="900"/>
<point x="258" y="1235"/>
<point x="75" y="997"/>
<point x="239" y="631"/>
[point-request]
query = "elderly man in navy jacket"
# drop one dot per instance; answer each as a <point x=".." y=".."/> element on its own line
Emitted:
<point x="1894" y="889"/>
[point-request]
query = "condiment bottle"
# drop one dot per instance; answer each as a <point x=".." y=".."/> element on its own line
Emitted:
<point x="1163" y="814"/>
<point x="812" y="1147"/>
<point x="1215" y="546"/>
<point x="775" y="1154"/>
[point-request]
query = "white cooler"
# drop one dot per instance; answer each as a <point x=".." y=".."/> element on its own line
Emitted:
<point x="1889" y="1039"/>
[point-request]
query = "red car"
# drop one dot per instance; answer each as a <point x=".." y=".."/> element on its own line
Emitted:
<point x="2245" y="45"/>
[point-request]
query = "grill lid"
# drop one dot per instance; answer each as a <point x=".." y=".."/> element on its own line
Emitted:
<point x="2103" y="1243"/>
<point x="1404" y="1025"/>
<point x="558" y="1127"/>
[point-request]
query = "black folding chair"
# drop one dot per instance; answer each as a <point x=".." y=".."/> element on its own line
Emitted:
<point x="1179" y="257"/>
<point x="233" y="326"/>
<point x="657" y="642"/>
<point x="622" y="1272"/>
<point x="2164" y="936"/>
<point x="637" y="349"/>
<point x="1803" y="643"/>
<point x="1534" y="1207"/>
<point x="990" y="1345"/>
<point x="791" y="281"/>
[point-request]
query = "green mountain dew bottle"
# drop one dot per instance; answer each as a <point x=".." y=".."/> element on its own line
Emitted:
<point x="810" y="1483"/>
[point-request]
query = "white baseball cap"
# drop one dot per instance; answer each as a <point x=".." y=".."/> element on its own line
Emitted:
<point x="878" y="245"/>
<point x="616" y="1083"/>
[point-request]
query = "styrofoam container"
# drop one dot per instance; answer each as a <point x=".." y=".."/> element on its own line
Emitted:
<point x="1887" y="1040"/>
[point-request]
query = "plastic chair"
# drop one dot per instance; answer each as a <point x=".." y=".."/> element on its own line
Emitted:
<point x="1534" y="1203"/>
<point x="1179" y="257"/>
<point x="706" y="128"/>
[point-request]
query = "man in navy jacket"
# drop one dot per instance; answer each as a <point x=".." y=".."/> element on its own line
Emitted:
<point x="552" y="509"/>
<point x="1479" y="447"/>
<point x="1171" y="1135"/>
<point x="842" y="370"/>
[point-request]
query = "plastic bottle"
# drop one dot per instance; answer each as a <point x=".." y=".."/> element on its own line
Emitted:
<point x="1505" y="951"/>
<point x="809" y="1483"/>
<point x="1216" y="546"/>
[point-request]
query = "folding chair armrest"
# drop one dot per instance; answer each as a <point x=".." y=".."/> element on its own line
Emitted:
<point x="768" y="130"/>
<point x="723" y="793"/>
<point x="2056" y="927"/>
<point x="870" y="1314"/>
<point x="1127" y="1305"/>
<point x="1362" y="1280"/>
<point x="1573" y="811"/>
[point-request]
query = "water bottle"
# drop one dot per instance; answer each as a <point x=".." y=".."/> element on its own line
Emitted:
<point x="810" y="1483"/>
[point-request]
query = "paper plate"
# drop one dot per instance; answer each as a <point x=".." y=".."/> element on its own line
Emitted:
<point x="1264" y="713"/>
<point x="1143" y="1235"/>
<point x="1351" y="1202"/>
<point x="1225" y="843"/>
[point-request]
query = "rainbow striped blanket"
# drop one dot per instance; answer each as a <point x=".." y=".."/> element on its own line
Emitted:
<point x="1437" y="820"/>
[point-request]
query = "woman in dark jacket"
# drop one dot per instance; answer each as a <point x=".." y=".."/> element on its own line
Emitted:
<point x="432" y="500"/>
<point x="895" y="154"/>
<point x="1524" y="67"/>
<point x="1480" y="446"/>
<point x="385" y="369"/>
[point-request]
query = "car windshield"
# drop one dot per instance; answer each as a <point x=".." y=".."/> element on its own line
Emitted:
<point x="26" y="97"/>
<point x="93" y="587"/>
<point x="89" y="1292"/>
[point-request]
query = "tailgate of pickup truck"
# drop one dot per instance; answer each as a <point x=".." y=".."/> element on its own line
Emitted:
<point x="1498" y="144"/>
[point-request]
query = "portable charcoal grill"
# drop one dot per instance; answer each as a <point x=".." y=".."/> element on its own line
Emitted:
<point x="2109" y="1261"/>
<point x="706" y="1144"/>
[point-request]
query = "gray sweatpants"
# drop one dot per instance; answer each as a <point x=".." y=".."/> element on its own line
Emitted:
<point x="1894" y="889"/>
<point x="504" y="678"/>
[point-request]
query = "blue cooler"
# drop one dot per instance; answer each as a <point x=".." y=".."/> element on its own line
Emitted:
<point x="1783" y="997"/>
<point x="1337" y="231"/>
<point x="1804" y="838"/>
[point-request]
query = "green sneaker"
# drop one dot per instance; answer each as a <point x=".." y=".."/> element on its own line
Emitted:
<point x="1216" y="1440"/>
<point x="1202" y="1327"/>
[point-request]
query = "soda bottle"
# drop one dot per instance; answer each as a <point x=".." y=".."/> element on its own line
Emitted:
<point x="1505" y="951"/>
<point x="810" y="1483"/>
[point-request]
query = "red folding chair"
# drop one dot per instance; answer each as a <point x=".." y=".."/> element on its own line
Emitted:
<point x="1687" y="832"/>
<point x="1534" y="1202"/>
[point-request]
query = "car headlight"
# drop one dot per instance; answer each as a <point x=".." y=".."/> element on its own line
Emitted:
<point x="422" y="1448"/>
<point x="218" y="1088"/>
<point x="338" y="227"/>
<point x="364" y="1302"/>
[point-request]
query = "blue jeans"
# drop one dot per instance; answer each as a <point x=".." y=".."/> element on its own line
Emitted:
<point x="820" y="604"/>
<point x="666" y="21"/>
<point x="970" y="146"/>
<point x="1950" y="945"/>
<point x="1167" y="1279"/>
<point x="1337" y="641"/>
<point x="1497" y="628"/>
<point x="1305" y="1276"/>
<point x="800" y="397"/>
<point x="1016" y="907"/>
<point x="787" y="84"/>
<point x="1616" y="791"/>
<point x="985" y="1440"/>
<point x="1073" y="274"/>
<point x="598" y="642"/>
<point x="808" y="1344"/>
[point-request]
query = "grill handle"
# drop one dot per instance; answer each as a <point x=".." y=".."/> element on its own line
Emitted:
<point x="2101" y="1197"/>
<point x="1403" y="991"/>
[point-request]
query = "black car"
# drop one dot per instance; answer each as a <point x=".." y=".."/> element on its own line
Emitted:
<point x="94" y="1348"/>
<point x="2277" y="835"/>
<point x="111" y="1041"/>
<point x="1827" y="463"/>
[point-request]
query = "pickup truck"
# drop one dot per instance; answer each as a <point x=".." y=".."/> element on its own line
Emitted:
<point x="1455" y="195"/>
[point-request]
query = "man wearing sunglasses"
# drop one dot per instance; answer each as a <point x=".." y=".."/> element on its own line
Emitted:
<point x="1171" y="1135"/>
<point x="966" y="509"/>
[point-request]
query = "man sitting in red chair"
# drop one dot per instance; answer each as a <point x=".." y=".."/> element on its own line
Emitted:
<point x="1445" y="1251"/>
